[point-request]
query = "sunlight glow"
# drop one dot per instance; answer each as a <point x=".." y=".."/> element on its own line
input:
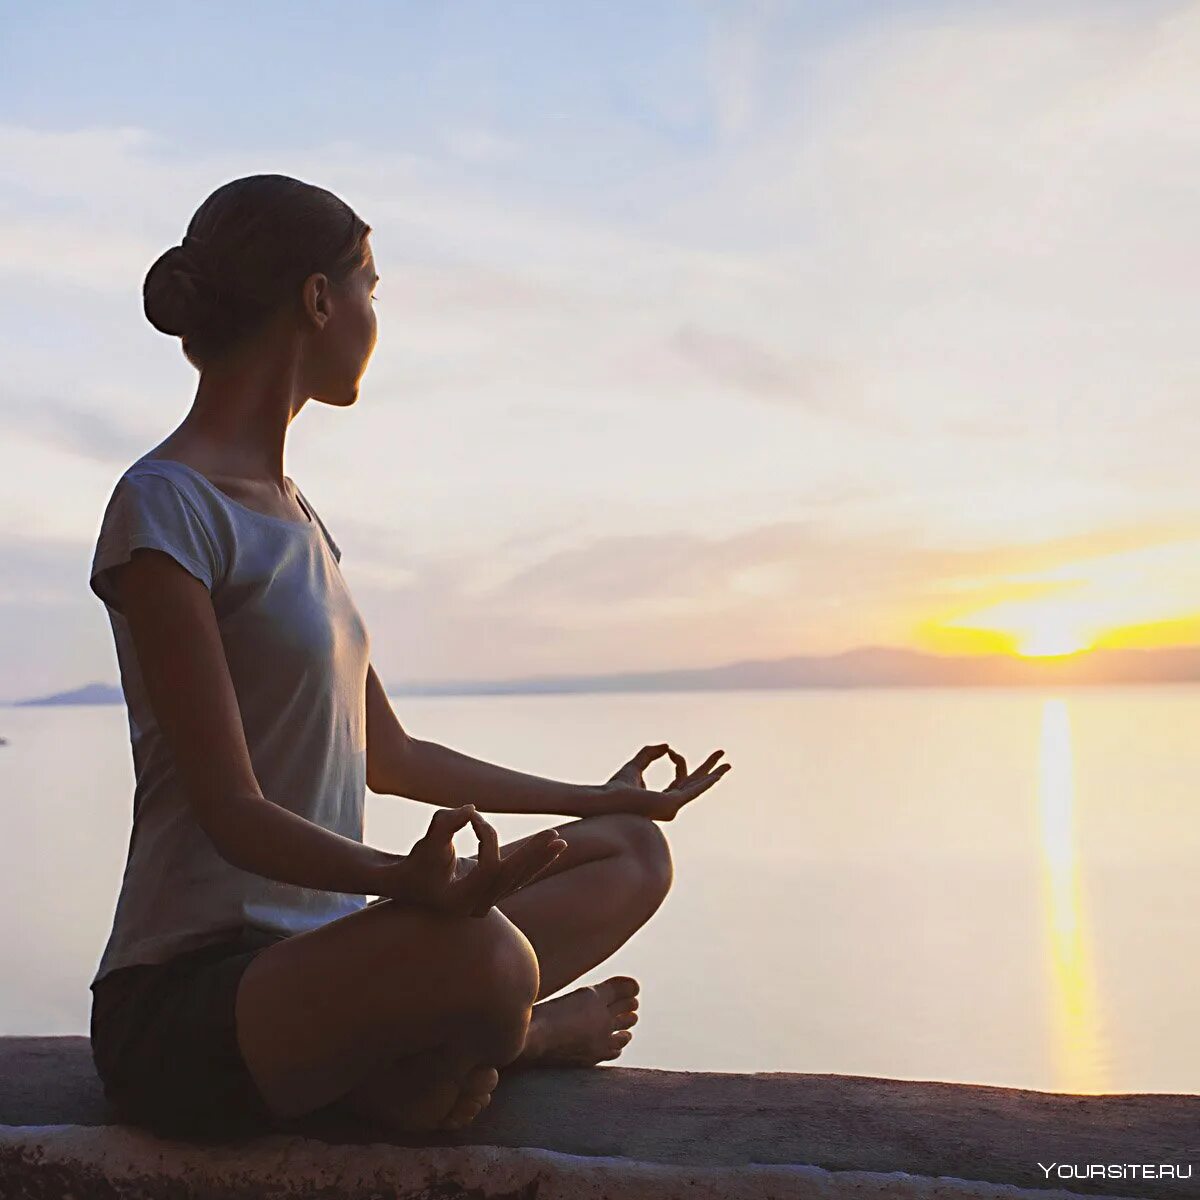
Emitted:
<point x="1076" y="1034"/>
<point x="1147" y="596"/>
<point x="1052" y="638"/>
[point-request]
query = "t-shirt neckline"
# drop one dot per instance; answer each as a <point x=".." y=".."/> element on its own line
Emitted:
<point x="309" y="524"/>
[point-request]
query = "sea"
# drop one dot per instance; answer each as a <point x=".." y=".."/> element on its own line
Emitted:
<point x="995" y="886"/>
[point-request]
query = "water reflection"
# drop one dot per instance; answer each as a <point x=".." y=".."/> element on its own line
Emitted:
<point x="865" y="894"/>
<point x="1075" y="1027"/>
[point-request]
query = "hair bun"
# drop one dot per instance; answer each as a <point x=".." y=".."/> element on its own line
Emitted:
<point x="194" y="247"/>
<point x="260" y="237"/>
<point x="179" y="294"/>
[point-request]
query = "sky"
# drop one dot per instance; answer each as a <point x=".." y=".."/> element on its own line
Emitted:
<point x="707" y="331"/>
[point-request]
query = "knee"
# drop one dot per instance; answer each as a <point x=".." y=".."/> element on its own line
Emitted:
<point x="645" y="845"/>
<point x="505" y="975"/>
<point x="507" y="978"/>
<point x="503" y="958"/>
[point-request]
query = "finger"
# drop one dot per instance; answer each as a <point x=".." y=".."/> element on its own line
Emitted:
<point x="447" y="822"/>
<point x="529" y="860"/>
<point x="695" y="787"/>
<point x="680" y="765"/>
<point x="479" y="877"/>
<point x="532" y="856"/>
<point x="489" y="843"/>
<point x="648" y="754"/>
<point x="707" y="764"/>
<point x="523" y="881"/>
<point x="473" y="893"/>
<point x="536" y="870"/>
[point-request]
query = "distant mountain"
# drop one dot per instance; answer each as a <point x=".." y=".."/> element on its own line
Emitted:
<point x="868" y="666"/>
<point x="90" y="693"/>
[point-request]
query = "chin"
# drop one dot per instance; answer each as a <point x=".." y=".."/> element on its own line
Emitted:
<point x="342" y="400"/>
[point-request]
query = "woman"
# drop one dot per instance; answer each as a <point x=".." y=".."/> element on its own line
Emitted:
<point x="246" y="982"/>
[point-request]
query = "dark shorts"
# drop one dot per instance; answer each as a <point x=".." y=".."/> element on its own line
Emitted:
<point x="165" y="1045"/>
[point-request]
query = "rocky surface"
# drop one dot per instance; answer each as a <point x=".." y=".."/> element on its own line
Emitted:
<point x="617" y="1132"/>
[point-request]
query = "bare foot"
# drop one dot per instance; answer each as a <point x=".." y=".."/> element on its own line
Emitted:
<point x="475" y="1095"/>
<point x="584" y="1027"/>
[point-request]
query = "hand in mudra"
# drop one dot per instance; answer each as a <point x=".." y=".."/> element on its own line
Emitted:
<point x="628" y="792"/>
<point x="431" y="874"/>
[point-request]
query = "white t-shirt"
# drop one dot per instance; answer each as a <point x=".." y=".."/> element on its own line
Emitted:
<point x="298" y="653"/>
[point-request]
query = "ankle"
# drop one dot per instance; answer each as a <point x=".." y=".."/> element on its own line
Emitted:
<point x="536" y="1041"/>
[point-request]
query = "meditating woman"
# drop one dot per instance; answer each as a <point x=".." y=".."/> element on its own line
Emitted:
<point x="247" y="981"/>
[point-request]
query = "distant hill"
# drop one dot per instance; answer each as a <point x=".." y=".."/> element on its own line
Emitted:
<point x="868" y="666"/>
<point x="90" y="693"/>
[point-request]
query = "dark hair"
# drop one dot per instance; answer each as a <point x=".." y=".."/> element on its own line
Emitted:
<point x="247" y="249"/>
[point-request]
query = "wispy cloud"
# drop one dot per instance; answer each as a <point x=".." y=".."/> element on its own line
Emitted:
<point x="718" y="364"/>
<point x="80" y="429"/>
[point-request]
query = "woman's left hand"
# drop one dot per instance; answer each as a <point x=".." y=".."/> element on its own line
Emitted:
<point x="626" y="791"/>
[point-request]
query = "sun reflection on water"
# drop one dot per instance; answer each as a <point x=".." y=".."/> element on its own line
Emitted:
<point x="1076" y="1044"/>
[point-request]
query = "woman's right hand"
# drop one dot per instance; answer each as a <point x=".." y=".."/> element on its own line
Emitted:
<point x="432" y="876"/>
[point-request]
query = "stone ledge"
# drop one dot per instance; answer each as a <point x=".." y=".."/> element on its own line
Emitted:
<point x="611" y="1131"/>
<point x="99" y="1163"/>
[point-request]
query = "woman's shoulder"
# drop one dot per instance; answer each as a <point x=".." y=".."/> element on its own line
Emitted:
<point x="144" y="474"/>
<point x="167" y="468"/>
<point x="153" y="506"/>
<point x="160" y="468"/>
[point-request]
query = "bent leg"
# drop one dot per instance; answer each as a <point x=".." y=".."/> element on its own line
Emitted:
<point x="433" y="996"/>
<point x="348" y="995"/>
<point x="609" y="881"/>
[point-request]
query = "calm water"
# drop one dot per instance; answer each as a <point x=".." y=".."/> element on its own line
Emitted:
<point x="982" y="886"/>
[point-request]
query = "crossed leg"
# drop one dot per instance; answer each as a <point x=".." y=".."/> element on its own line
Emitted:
<point x="442" y="1002"/>
<point x="617" y="872"/>
<point x="607" y="883"/>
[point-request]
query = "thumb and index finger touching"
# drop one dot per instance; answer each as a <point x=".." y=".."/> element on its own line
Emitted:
<point x="648" y="754"/>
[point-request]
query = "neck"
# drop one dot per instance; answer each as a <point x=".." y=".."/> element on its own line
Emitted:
<point x="242" y="410"/>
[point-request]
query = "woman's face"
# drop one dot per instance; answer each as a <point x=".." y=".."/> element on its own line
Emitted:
<point x="347" y="339"/>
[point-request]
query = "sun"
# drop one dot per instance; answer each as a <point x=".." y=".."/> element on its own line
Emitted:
<point x="1025" y="633"/>
<point x="1038" y="647"/>
<point x="1051" y="643"/>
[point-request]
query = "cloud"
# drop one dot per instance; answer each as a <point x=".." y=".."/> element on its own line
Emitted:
<point x="745" y="366"/>
<point x="646" y="601"/>
<point x="916" y="297"/>
<point x="81" y="429"/>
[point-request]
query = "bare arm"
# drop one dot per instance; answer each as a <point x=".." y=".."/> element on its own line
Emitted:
<point x="182" y="661"/>
<point x="401" y="765"/>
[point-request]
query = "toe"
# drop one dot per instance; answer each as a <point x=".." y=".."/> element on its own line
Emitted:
<point x="486" y="1079"/>
<point x="475" y="1094"/>
<point x="465" y="1110"/>
<point x="480" y="1081"/>
<point x="624" y="1020"/>
<point x="618" y="986"/>
<point x="618" y="1042"/>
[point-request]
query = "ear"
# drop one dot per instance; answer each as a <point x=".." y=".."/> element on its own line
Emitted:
<point x="316" y="298"/>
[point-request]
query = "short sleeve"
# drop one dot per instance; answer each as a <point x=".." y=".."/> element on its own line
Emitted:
<point x="150" y="511"/>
